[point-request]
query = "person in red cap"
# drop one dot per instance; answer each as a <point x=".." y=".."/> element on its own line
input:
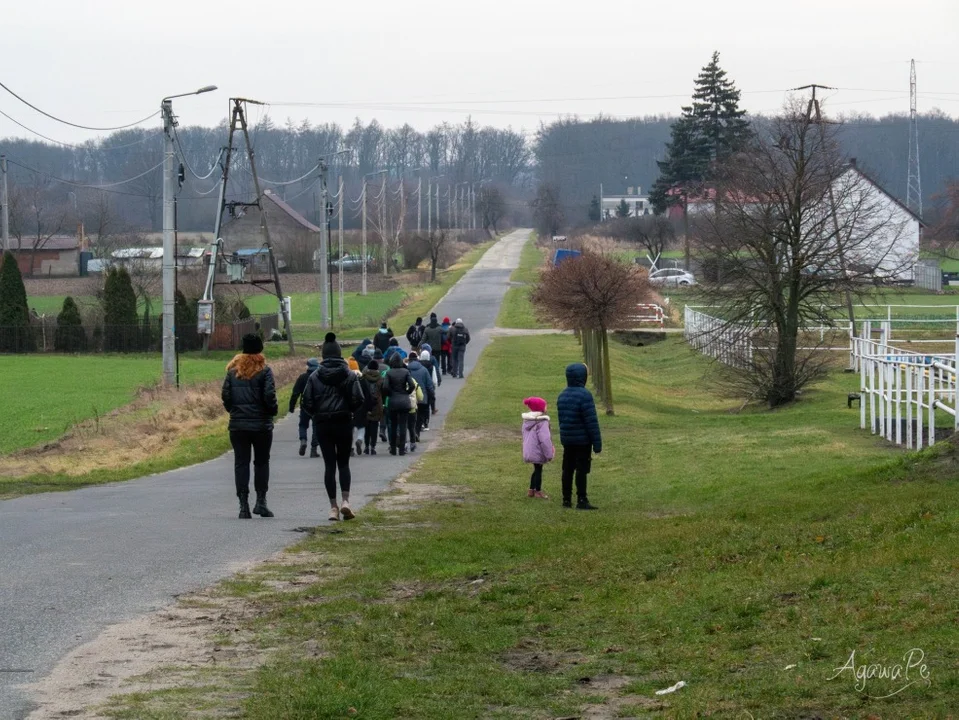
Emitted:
<point x="538" y="446"/>
<point x="446" y="348"/>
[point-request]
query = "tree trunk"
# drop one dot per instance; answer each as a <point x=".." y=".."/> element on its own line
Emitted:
<point x="608" y="376"/>
<point x="782" y="388"/>
<point x="433" y="259"/>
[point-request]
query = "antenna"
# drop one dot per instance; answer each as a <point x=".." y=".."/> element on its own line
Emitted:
<point x="913" y="185"/>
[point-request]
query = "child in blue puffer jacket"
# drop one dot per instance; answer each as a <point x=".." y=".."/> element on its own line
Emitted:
<point x="578" y="433"/>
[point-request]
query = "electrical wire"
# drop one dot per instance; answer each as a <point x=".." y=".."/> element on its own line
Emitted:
<point x="78" y="147"/>
<point x="303" y="191"/>
<point x="213" y="167"/>
<point x="71" y="124"/>
<point x="284" y="182"/>
<point x="85" y="185"/>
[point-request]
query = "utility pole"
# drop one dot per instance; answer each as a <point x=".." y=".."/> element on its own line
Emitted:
<point x="437" y="206"/>
<point x="339" y="212"/>
<point x="472" y="206"/>
<point x="169" y="267"/>
<point x="4" y="207"/>
<point x="386" y="260"/>
<point x="324" y="251"/>
<point x="419" y="206"/>
<point x="365" y="252"/>
<point x="913" y="186"/>
<point x="601" y="202"/>
<point x="429" y="206"/>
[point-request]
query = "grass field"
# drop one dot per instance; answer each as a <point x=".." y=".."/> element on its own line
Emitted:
<point x="517" y="311"/>
<point x="747" y="554"/>
<point x="44" y="395"/>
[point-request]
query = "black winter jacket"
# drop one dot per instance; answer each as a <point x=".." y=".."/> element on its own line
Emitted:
<point x="459" y="335"/>
<point x="578" y="424"/>
<point x="399" y="384"/>
<point x="251" y="403"/>
<point x="332" y="392"/>
<point x="381" y="340"/>
<point x="414" y="335"/>
<point x="300" y="385"/>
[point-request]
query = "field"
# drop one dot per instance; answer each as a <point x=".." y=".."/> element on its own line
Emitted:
<point x="44" y="395"/>
<point x="517" y="311"/>
<point x="748" y="554"/>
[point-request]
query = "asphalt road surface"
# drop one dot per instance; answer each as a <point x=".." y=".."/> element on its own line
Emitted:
<point x="73" y="563"/>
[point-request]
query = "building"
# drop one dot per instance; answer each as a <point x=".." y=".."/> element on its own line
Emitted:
<point x="294" y="237"/>
<point x="637" y="203"/>
<point x="56" y="256"/>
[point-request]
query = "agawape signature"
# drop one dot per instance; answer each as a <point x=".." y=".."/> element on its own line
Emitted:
<point x="900" y="675"/>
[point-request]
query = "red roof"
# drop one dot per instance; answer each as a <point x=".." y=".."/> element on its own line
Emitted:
<point x="271" y="196"/>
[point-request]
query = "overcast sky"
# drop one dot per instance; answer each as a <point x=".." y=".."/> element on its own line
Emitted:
<point x="516" y="63"/>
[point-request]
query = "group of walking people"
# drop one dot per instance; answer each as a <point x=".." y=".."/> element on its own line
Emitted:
<point x="380" y="392"/>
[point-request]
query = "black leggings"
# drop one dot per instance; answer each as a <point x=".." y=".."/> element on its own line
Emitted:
<point x="536" y="479"/>
<point x="398" y="426"/>
<point x="336" y="439"/>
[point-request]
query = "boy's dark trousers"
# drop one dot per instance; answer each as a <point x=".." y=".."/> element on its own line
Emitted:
<point x="412" y="426"/>
<point x="422" y="418"/>
<point x="577" y="460"/>
<point x="445" y="361"/>
<point x="305" y="421"/>
<point x="371" y="427"/>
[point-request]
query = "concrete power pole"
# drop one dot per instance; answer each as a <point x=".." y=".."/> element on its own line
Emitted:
<point x="339" y="212"/>
<point x="419" y="206"/>
<point x="386" y="261"/>
<point x="437" y="206"/>
<point x="4" y="207"/>
<point x="324" y="252"/>
<point x="429" y="206"/>
<point x="449" y="206"/>
<point x="365" y="251"/>
<point x="169" y="267"/>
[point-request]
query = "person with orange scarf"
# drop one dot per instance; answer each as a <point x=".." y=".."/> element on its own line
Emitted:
<point x="249" y="395"/>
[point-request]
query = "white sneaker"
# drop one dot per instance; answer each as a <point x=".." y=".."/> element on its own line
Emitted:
<point x="346" y="510"/>
<point x="334" y="513"/>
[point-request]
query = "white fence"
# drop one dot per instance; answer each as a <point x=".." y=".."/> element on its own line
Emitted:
<point x="730" y="343"/>
<point x="901" y="391"/>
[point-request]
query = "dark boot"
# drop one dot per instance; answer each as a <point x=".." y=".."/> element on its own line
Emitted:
<point x="313" y="452"/>
<point x="260" y="508"/>
<point x="584" y="504"/>
<point x="567" y="503"/>
<point x="244" y="506"/>
<point x="302" y="448"/>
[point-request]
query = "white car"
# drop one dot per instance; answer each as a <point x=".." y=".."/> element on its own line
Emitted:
<point x="672" y="277"/>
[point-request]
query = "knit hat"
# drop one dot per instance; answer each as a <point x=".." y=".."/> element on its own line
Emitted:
<point x="425" y="355"/>
<point x="425" y="347"/>
<point x="419" y="320"/>
<point x="536" y="404"/>
<point x="312" y="364"/>
<point x="383" y="324"/>
<point x="351" y="361"/>
<point x="446" y="320"/>
<point x="368" y="351"/>
<point x="377" y="354"/>
<point x="412" y="355"/>
<point x="373" y="365"/>
<point x="252" y="345"/>
<point x="331" y="348"/>
<point x="459" y="321"/>
<point x="394" y="341"/>
<point x="432" y="316"/>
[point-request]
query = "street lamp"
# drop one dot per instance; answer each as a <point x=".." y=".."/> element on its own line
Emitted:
<point x="169" y="219"/>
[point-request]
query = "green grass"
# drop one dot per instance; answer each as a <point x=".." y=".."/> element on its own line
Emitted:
<point x="730" y="547"/>
<point x="44" y="395"/>
<point x="517" y="310"/>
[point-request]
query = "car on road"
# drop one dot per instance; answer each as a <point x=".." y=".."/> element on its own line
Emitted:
<point x="672" y="277"/>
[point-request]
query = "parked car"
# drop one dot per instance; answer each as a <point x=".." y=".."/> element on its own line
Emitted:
<point x="672" y="277"/>
<point x="348" y="261"/>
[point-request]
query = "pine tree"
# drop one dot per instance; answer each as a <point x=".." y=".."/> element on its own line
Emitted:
<point x="715" y="107"/>
<point x="119" y="311"/>
<point x="70" y="336"/>
<point x="686" y="163"/>
<point x="15" y="332"/>
<point x="595" y="214"/>
<point x="622" y="210"/>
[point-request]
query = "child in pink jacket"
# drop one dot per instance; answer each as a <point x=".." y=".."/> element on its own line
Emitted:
<point x="537" y="443"/>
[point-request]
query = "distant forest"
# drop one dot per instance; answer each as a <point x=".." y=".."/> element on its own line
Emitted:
<point x="575" y="156"/>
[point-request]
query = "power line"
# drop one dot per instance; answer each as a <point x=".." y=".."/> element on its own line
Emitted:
<point x="99" y="148"/>
<point x="67" y="122"/>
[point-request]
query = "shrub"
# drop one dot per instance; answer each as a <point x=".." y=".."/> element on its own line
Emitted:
<point x="16" y="334"/>
<point x="70" y="336"/>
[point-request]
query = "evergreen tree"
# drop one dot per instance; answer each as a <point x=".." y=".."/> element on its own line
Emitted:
<point x="715" y="107"/>
<point x="15" y="332"/>
<point x="595" y="214"/>
<point x="70" y="336"/>
<point x="119" y="311"/>
<point x="622" y="210"/>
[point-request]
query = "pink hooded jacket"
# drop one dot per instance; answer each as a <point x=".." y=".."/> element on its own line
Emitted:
<point x="537" y="441"/>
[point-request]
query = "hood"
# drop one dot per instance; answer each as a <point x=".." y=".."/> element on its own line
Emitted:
<point x="433" y="323"/>
<point x="333" y="371"/>
<point x="445" y="325"/>
<point x="312" y="364"/>
<point x="371" y="375"/>
<point x="395" y="360"/>
<point x="535" y="417"/>
<point x="425" y="356"/>
<point x="358" y="352"/>
<point x="383" y="331"/>
<point x="460" y="324"/>
<point x="576" y="375"/>
<point x="415" y="365"/>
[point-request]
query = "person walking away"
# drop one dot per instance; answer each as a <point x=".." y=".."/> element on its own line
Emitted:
<point x="432" y="334"/>
<point x="426" y="360"/>
<point x="298" y="387"/>
<point x="416" y="399"/>
<point x="358" y="351"/>
<point x="399" y="385"/>
<point x="578" y="433"/>
<point x="423" y="378"/>
<point x="538" y="446"/>
<point x="368" y="354"/>
<point x="249" y="395"/>
<point x="374" y="413"/>
<point x="446" y="348"/>
<point x="359" y="415"/>
<point x="382" y="338"/>
<point x="331" y="397"/>
<point x="394" y="348"/>
<point x="414" y="335"/>
<point x="459" y="339"/>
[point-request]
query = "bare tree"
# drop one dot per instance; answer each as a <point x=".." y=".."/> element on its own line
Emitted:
<point x="655" y="233"/>
<point x="492" y="206"/>
<point x="547" y="210"/>
<point x="592" y="294"/>
<point x="436" y="240"/>
<point x="797" y="227"/>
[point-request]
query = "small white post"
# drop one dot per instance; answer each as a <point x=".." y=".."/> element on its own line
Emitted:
<point x="909" y="372"/>
<point x="932" y="408"/>
<point x="898" y="370"/>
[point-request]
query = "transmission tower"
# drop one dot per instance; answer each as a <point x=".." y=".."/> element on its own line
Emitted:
<point x="913" y="186"/>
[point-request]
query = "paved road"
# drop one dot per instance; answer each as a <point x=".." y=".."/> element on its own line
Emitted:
<point x="73" y="563"/>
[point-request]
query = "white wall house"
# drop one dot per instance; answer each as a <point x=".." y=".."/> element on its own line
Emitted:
<point x="637" y="203"/>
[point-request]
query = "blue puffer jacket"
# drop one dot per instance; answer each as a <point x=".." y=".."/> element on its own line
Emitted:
<point x="578" y="424"/>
